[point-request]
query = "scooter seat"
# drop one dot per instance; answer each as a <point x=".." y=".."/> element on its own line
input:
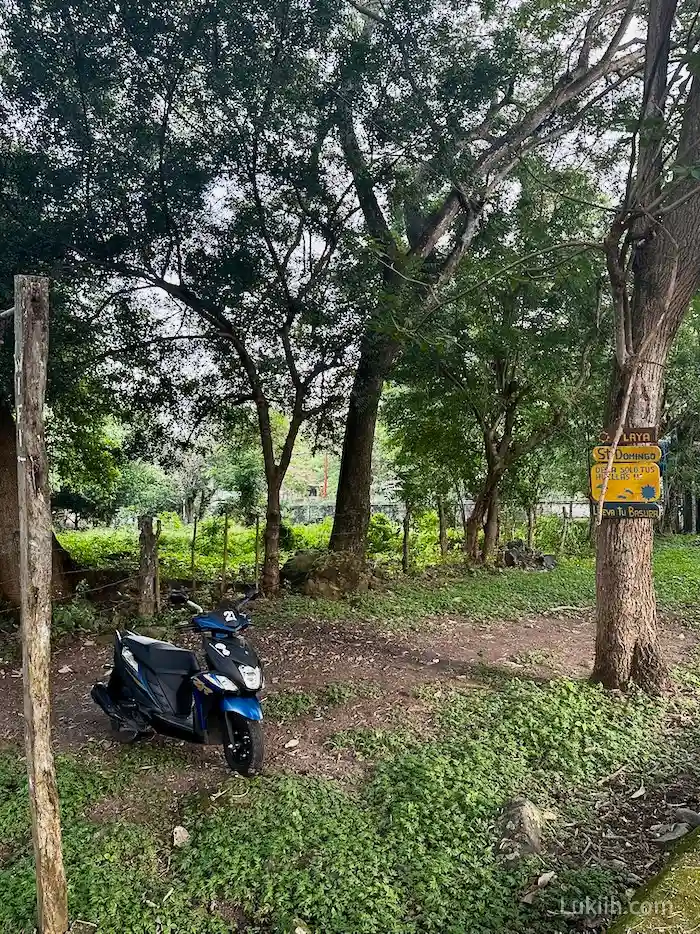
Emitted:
<point x="162" y="656"/>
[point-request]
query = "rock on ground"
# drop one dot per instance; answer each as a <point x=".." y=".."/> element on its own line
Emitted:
<point x="521" y="829"/>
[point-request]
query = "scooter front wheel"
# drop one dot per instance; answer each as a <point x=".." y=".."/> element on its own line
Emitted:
<point x="244" y="748"/>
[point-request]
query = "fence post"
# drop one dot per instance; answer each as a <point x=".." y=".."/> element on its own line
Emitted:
<point x="192" y="554"/>
<point x="147" y="566"/>
<point x="159" y="529"/>
<point x="224" y="561"/>
<point x="257" y="548"/>
<point x="405" y="554"/>
<point x="35" y="536"/>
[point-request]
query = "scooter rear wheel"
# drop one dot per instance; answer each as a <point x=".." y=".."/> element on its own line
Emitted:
<point x="244" y="747"/>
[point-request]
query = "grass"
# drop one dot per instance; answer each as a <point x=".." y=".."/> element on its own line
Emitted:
<point x="286" y="705"/>
<point x="485" y="595"/>
<point x="118" y="548"/>
<point x="404" y="602"/>
<point x="482" y="595"/>
<point x="411" y="850"/>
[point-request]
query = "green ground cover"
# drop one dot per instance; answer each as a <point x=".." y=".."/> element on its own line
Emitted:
<point x="409" y="849"/>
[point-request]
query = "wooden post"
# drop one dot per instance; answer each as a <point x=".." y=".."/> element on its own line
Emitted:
<point x="147" y="567"/>
<point x="405" y="554"/>
<point x="257" y="548"/>
<point x="531" y="521"/>
<point x="159" y="529"/>
<point x="224" y="562"/>
<point x="35" y="539"/>
<point x="442" y="523"/>
<point x="192" y="554"/>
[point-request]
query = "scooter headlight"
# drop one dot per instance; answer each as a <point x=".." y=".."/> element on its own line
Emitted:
<point x="252" y="677"/>
<point x="221" y="681"/>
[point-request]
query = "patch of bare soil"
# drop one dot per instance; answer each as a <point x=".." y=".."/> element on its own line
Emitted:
<point x="312" y="655"/>
<point x="153" y="797"/>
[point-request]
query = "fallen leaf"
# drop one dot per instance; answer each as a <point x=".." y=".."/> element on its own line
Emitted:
<point x="529" y="898"/>
<point x="638" y="793"/>
<point x="545" y="878"/>
<point x="291" y="744"/>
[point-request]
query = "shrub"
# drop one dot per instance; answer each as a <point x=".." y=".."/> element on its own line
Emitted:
<point x="313" y="536"/>
<point x="549" y="531"/>
<point x="383" y="536"/>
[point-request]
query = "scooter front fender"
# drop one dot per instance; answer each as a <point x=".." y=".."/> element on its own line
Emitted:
<point x="248" y="707"/>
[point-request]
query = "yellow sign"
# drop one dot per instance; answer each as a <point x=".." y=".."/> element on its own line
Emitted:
<point x="636" y="482"/>
<point x="626" y="453"/>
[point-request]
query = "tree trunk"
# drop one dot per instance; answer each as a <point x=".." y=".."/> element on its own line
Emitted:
<point x="465" y="520"/>
<point x="687" y="512"/>
<point x="530" y="527"/>
<point x="665" y="270"/>
<point x="627" y="641"/>
<point x="405" y="550"/>
<point x="9" y="523"/>
<point x="442" y="521"/>
<point x="491" y="529"/>
<point x="474" y="524"/>
<point x="188" y="510"/>
<point x="273" y="521"/>
<point x="147" y="567"/>
<point x="352" y="504"/>
<point x="224" y="561"/>
<point x="33" y="509"/>
<point x="484" y="516"/>
<point x="159" y="530"/>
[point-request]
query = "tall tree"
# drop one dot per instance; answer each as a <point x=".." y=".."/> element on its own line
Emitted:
<point x="195" y="140"/>
<point x="515" y="351"/>
<point x="31" y="243"/>
<point x="653" y="257"/>
<point x="436" y="104"/>
<point x="681" y="424"/>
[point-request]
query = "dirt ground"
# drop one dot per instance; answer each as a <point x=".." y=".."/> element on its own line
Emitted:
<point x="386" y="669"/>
<point x="311" y="656"/>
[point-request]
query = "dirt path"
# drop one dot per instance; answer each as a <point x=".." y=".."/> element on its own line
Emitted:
<point x="315" y="655"/>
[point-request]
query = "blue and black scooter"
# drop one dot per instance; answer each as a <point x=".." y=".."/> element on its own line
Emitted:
<point x="156" y="686"/>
